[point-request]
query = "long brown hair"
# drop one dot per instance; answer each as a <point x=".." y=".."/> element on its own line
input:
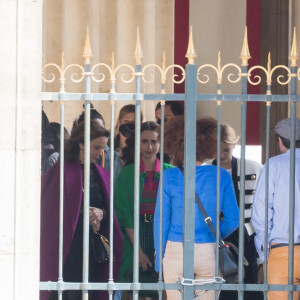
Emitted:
<point x="128" y="151"/>
<point x="77" y="137"/>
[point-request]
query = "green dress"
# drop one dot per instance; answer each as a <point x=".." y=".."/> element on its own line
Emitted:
<point x="124" y="208"/>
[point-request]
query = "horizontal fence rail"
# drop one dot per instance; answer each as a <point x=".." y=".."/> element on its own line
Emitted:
<point x="193" y="76"/>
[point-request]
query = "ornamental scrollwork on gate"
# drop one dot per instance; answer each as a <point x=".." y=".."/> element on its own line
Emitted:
<point x="163" y="72"/>
<point x="269" y="73"/>
<point x="62" y="73"/>
<point x="219" y="71"/>
<point x="113" y="71"/>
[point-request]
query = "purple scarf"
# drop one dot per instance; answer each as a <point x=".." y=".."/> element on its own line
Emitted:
<point x="50" y="222"/>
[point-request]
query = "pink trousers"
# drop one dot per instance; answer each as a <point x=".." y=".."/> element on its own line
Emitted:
<point x="204" y="266"/>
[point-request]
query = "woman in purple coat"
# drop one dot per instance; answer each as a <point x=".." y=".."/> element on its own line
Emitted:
<point x="73" y="216"/>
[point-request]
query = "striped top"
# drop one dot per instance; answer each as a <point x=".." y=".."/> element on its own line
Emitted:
<point x="149" y="193"/>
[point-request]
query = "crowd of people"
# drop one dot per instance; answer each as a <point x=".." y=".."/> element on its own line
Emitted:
<point x="172" y="203"/>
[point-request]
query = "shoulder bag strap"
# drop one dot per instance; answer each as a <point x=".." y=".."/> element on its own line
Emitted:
<point x="206" y="217"/>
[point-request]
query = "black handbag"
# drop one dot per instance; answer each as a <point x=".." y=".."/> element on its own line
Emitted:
<point x="100" y="247"/>
<point x="228" y="253"/>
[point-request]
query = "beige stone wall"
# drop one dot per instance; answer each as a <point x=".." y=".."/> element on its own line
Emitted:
<point x="20" y="119"/>
<point x="219" y="26"/>
<point x="112" y="25"/>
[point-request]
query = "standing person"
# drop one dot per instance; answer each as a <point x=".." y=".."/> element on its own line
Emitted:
<point x="173" y="205"/>
<point x="105" y="157"/>
<point x="278" y="212"/>
<point x="126" y="115"/>
<point x="53" y="138"/>
<point x="252" y="170"/>
<point x="73" y="216"/>
<point x="172" y="109"/>
<point x="124" y="199"/>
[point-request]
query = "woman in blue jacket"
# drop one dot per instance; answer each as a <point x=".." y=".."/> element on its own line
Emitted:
<point x="173" y="205"/>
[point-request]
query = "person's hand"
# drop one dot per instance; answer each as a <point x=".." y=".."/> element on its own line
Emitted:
<point x="96" y="216"/>
<point x="144" y="261"/>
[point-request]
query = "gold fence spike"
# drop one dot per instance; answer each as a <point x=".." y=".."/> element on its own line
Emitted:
<point x="87" y="51"/>
<point x="245" y="54"/>
<point x="294" y="54"/>
<point x="269" y="62"/>
<point x="62" y="61"/>
<point x="138" y="48"/>
<point x="113" y="63"/>
<point x="164" y="60"/>
<point x="219" y="60"/>
<point x="191" y="52"/>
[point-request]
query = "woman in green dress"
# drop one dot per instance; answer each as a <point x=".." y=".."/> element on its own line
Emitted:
<point x="124" y="200"/>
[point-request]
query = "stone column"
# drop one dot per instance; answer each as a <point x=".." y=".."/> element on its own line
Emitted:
<point x="20" y="122"/>
<point x="112" y="26"/>
<point x="219" y="26"/>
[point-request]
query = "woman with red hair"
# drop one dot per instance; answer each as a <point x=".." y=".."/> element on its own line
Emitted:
<point x="173" y="205"/>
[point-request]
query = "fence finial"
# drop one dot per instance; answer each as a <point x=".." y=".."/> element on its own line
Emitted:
<point x="245" y="54"/>
<point x="294" y="54"/>
<point x="87" y="51"/>
<point x="62" y="61"/>
<point x="113" y="62"/>
<point x="164" y="60"/>
<point x="269" y="62"/>
<point x="138" y="48"/>
<point x="191" y="52"/>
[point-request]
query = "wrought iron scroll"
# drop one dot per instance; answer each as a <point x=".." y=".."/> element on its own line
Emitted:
<point x="62" y="72"/>
<point x="219" y="71"/>
<point x="163" y="71"/>
<point x="269" y="72"/>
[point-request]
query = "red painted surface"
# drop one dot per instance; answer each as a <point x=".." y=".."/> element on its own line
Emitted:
<point x="181" y="37"/>
<point x="253" y="21"/>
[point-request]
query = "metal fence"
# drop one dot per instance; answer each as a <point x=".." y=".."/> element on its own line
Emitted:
<point x="193" y="76"/>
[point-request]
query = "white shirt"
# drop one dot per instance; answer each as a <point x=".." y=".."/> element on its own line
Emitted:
<point x="278" y="202"/>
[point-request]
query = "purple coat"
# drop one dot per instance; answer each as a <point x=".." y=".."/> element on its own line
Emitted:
<point x="50" y="222"/>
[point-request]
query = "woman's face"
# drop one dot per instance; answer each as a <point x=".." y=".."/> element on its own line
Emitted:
<point x="128" y="118"/>
<point x="96" y="147"/>
<point x="149" y="144"/>
<point x="226" y="153"/>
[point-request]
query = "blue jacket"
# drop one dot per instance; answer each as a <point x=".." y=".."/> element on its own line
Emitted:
<point x="206" y="188"/>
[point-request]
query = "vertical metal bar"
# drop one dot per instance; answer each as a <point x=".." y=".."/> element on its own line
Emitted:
<point x="290" y="32"/>
<point x="137" y="184"/>
<point x="242" y="182"/>
<point x="218" y="191"/>
<point x="162" y="133"/>
<point x="189" y="176"/>
<point x="268" y="106"/>
<point x="86" y="204"/>
<point x="292" y="181"/>
<point x="61" y="199"/>
<point x="111" y="195"/>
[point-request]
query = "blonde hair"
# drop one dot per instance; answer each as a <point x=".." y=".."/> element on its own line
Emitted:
<point x="228" y="134"/>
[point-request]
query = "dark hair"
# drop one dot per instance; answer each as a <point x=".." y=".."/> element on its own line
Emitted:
<point x="287" y="143"/>
<point x="45" y="123"/>
<point x="128" y="151"/>
<point x="176" y="107"/>
<point x="206" y="139"/>
<point x="53" y="137"/>
<point x="77" y="137"/>
<point x="127" y="109"/>
<point x="94" y="115"/>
